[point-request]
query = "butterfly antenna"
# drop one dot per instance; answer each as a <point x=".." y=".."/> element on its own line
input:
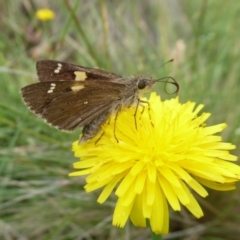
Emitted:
<point x="171" y="60"/>
<point x="154" y="69"/>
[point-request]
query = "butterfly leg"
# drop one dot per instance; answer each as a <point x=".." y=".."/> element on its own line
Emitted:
<point x="146" y="102"/>
<point x="99" y="137"/>
<point x="143" y="109"/>
<point x="114" y="127"/>
<point x="135" y="114"/>
<point x="115" y="121"/>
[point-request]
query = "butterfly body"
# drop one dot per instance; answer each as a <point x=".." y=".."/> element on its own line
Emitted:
<point x="68" y="96"/>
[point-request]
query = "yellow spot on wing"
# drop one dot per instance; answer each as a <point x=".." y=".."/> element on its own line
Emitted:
<point x="80" y="76"/>
<point x="77" y="87"/>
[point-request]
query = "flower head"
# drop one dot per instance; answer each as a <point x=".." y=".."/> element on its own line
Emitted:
<point x="159" y="162"/>
<point x="45" y="14"/>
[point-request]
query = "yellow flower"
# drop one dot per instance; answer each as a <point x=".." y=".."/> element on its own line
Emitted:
<point x="160" y="162"/>
<point x="45" y="14"/>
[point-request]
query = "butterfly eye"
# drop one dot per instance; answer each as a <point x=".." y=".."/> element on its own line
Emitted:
<point x="141" y="84"/>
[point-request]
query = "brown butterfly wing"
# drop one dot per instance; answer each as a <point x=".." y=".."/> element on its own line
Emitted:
<point x="67" y="105"/>
<point x="49" y="70"/>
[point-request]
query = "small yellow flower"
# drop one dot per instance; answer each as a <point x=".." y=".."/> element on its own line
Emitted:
<point x="45" y="14"/>
<point x="160" y="162"/>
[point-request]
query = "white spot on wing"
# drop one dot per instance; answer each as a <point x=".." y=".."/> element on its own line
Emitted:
<point x="52" y="87"/>
<point x="59" y="66"/>
<point x="86" y="102"/>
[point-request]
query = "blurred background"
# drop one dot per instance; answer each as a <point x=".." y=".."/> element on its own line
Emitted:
<point x="38" y="199"/>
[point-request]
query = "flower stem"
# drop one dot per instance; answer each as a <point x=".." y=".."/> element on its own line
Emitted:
<point x="156" y="236"/>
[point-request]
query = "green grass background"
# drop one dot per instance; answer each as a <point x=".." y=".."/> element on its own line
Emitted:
<point x="38" y="199"/>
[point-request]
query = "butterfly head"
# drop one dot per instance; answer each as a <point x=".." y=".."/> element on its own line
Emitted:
<point x="144" y="83"/>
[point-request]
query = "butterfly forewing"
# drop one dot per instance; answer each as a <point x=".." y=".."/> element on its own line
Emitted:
<point x="48" y="70"/>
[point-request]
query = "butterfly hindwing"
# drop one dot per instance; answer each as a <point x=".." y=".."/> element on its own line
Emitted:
<point x="38" y="95"/>
<point x="67" y="105"/>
